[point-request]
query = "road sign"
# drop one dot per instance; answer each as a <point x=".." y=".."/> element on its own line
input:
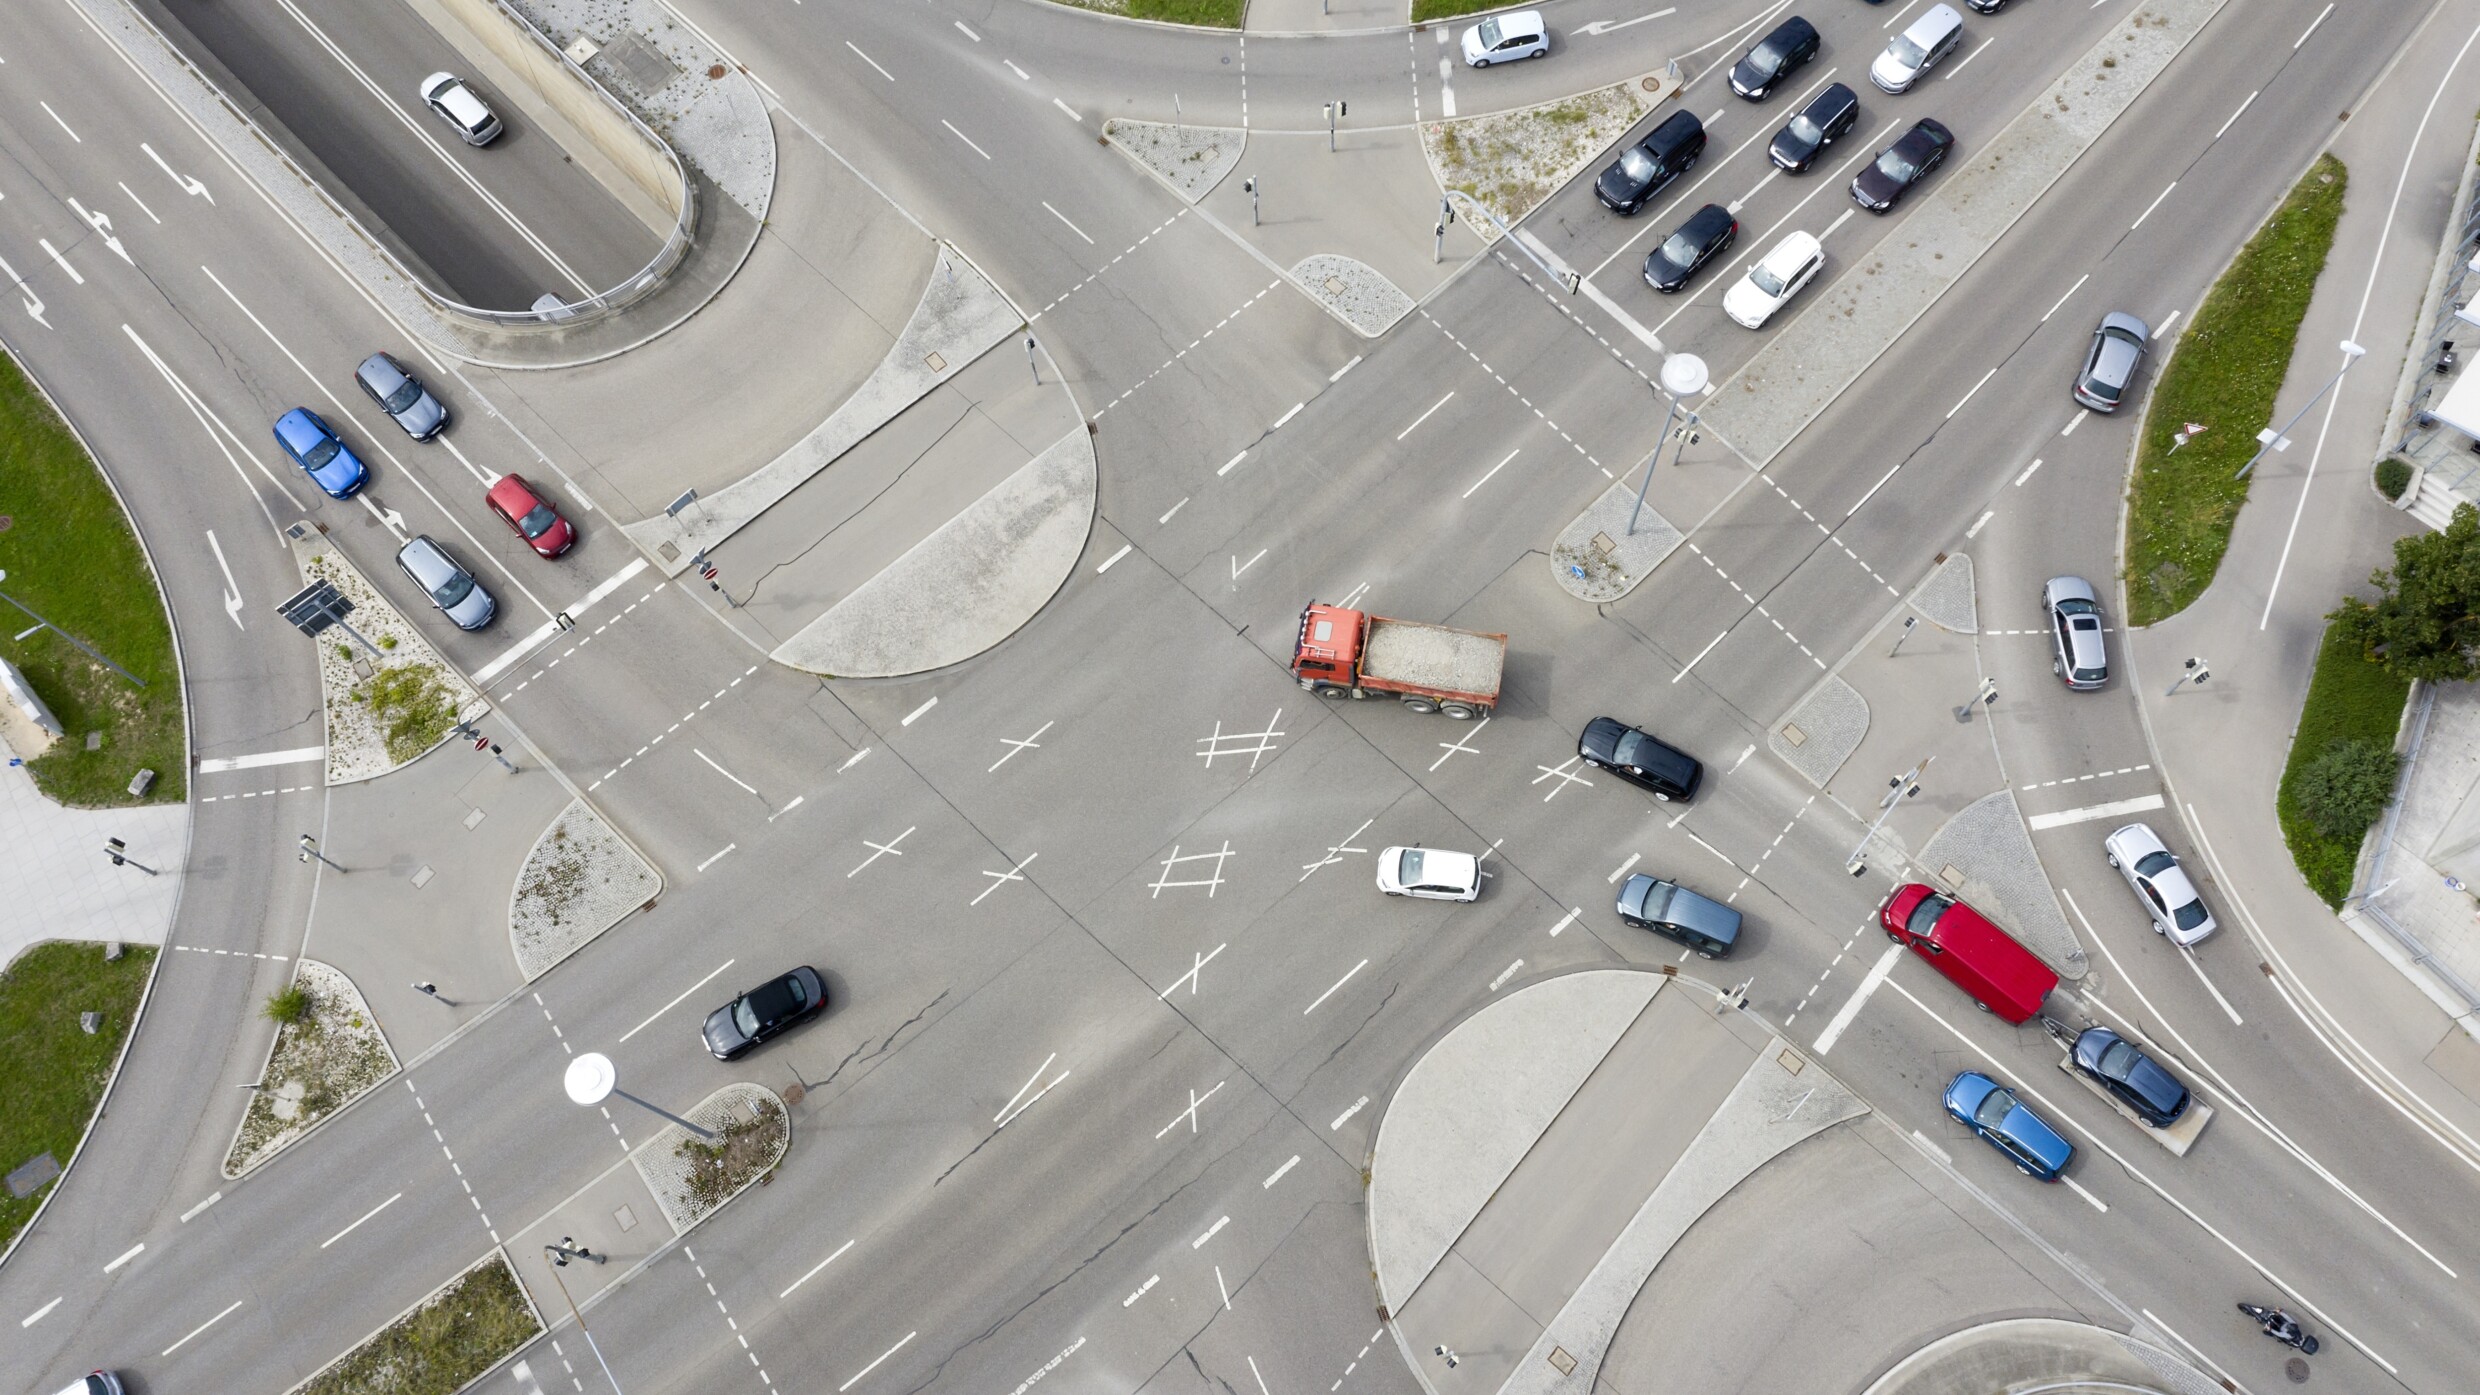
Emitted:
<point x="315" y="607"/>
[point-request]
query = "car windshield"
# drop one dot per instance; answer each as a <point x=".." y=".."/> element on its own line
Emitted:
<point x="745" y="1018"/>
<point x="320" y="454"/>
<point x="1804" y="129"/>
<point x="2076" y="605"/>
<point x="2091" y="675"/>
<point x="2190" y="915"/>
<point x="456" y="588"/>
<point x="537" y="521"/>
<point x="2153" y="864"/>
<point x="407" y="393"/>
<point x="1993" y="1109"/>
<point x="1637" y="163"/>
<point x="1681" y="249"/>
<point x="1895" y="165"/>
<point x="1763" y="278"/>
<point x="2118" y="1060"/>
<point x="1629" y="749"/>
<point x="1765" y="58"/>
<point x="1924" y="917"/>
<point x="1409" y="872"/>
<point x="1907" y="53"/>
<point x="1490" y="33"/>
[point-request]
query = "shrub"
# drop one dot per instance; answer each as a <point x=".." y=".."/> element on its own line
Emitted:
<point x="288" y="1005"/>
<point x="414" y="708"/>
<point x="2345" y="789"/>
<point x="2393" y="476"/>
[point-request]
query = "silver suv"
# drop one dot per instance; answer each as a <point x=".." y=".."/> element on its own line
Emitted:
<point x="450" y="587"/>
<point x="2076" y="653"/>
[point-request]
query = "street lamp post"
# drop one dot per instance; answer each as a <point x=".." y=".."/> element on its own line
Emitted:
<point x="118" y="851"/>
<point x="1901" y="787"/>
<point x="592" y="1078"/>
<point x="1683" y="377"/>
<point x="2197" y="672"/>
<point x="2350" y="354"/>
<point x="557" y="1265"/>
<point x="310" y="849"/>
<point x="82" y="646"/>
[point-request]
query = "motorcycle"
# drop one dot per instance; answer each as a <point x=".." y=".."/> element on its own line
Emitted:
<point x="2281" y="1327"/>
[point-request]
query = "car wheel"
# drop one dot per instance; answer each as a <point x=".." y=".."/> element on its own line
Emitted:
<point x="1332" y="692"/>
<point x="1481" y="62"/>
<point x="1704" y="954"/>
<point x="1898" y="939"/>
<point x="1981" y="1005"/>
<point x="2111" y="858"/>
<point x="1657" y="794"/>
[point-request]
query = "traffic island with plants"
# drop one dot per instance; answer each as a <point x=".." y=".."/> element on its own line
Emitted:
<point x="445" y="1343"/>
<point x="692" y="1178"/>
<point x="2223" y="376"/>
<point x="71" y="559"/>
<point x="390" y="701"/>
<point x="328" y="1052"/>
<point x="1510" y="161"/>
<point x="52" y="1069"/>
<point x="1211" y="14"/>
<point x="580" y="880"/>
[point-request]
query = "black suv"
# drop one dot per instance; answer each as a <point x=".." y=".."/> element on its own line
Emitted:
<point x="1776" y="56"/>
<point x="1827" y="116"/>
<point x="1707" y="233"/>
<point x="1648" y="167"/>
<point x="764" y="1012"/>
<point x="1664" y="771"/>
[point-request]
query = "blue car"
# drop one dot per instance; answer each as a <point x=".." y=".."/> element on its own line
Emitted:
<point x="1991" y="1110"/>
<point x="319" y="451"/>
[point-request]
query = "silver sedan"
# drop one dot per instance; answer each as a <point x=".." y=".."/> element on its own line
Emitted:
<point x="2160" y="883"/>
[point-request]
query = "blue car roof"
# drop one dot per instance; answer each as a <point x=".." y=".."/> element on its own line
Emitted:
<point x="301" y="429"/>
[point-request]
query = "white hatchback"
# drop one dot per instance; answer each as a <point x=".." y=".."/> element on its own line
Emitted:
<point x="2160" y="883"/>
<point x="1431" y="874"/>
<point x="1506" y="38"/>
<point x="1778" y="276"/>
<point x="455" y="103"/>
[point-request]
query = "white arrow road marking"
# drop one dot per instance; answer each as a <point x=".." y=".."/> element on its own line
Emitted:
<point x="1609" y="26"/>
<point x="102" y="224"/>
<point x="216" y="431"/>
<point x="34" y="303"/>
<point x="189" y="183"/>
<point x="232" y="588"/>
<point x="395" y="521"/>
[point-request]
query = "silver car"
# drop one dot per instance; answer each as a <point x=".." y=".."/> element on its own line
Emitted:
<point x="450" y="587"/>
<point x="2160" y="883"/>
<point x="1937" y="33"/>
<point x="459" y="106"/>
<point x="2076" y="652"/>
<point x="1429" y="874"/>
<point x="402" y="396"/>
<point x="2110" y="364"/>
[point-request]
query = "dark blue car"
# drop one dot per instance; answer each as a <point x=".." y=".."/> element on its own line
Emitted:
<point x="2136" y="1079"/>
<point x="320" y="452"/>
<point x="1992" y="1111"/>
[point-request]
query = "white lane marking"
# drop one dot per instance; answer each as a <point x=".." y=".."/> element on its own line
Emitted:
<point x="967" y="32"/>
<point x="190" y="184"/>
<point x="212" y="1198"/>
<point x="1347" y="978"/>
<point x="874" y="1365"/>
<point x="1287" y="416"/>
<point x="1742" y="201"/>
<point x="2303" y="38"/>
<point x="1830" y="227"/>
<point x="1700" y="655"/>
<point x="2078" y="1188"/>
<point x="1211" y="1231"/>
<point x="1881" y="483"/>
<point x="228" y="1312"/>
<point x="1271" y="1179"/>
<point x="102" y="224"/>
<point x="2140" y="804"/>
<point x="951" y="130"/>
<point x="1238" y="566"/>
<point x="348" y="1230"/>
<point x="1632" y="859"/>
<point x="1921" y="1140"/>
<point x="1337" y="375"/>
<point x="1959" y="67"/>
<point x="126" y="1255"/>
<point x="882" y="72"/>
<point x="2164" y="327"/>
<point x="58" y="260"/>
<point x="1851" y="1006"/>
<point x="2079" y="285"/>
<point x="1017" y="874"/>
<point x="34" y="303"/>
<point x="916" y="714"/>
<point x="1976" y="387"/>
<point x="2027" y="474"/>
<point x="1626" y="321"/>
<point x="1983" y="521"/>
<point x="1607" y="26"/>
<point x="718" y="857"/>
<point x="1485" y="479"/>
<point x="1228" y="464"/>
<point x="1565" y="921"/>
<point x="1416" y="421"/>
<point x="47" y="108"/>
<point x="232" y="588"/>
<point x="298" y="756"/>
<point x="2191" y="1347"/>
<point x="1072" y="112"/>
<point x="1011" y="67"/>
<point x="795" y="804"/>
<point x="544" y="631"/>
<point x="2072" y="423"/>
<point x="1166" y="518"/>
<point x="38" y="1314"/>
<point x="667" y="1007"/>
<point x="852" y="760"/>
<point x="1055" y="213"/>
<point x="1113" y="560"/>
<point x="735" y="779"/>
<point x="2148" y="208"/>
<point x="813" y="1273"/>
<point x="2234" y="116"/>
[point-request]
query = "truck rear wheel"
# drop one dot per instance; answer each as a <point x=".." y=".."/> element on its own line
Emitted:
<point x="1421" y="704"/>
<point x="1461" y="712"/>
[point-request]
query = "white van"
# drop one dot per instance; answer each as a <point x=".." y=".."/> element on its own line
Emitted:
<point x="1917" y="49"/>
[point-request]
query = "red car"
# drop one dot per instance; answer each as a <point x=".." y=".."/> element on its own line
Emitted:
<point x="1964" y="945"/>
<point x="517" y="503"/>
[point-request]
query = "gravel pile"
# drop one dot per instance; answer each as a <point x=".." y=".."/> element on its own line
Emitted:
<point x="1433" y="656"/>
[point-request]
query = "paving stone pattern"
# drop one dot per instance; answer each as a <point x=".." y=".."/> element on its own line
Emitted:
<point x="1353" y="289"/>
<point x="1831" y="720"/>
<point x="579" y="881"/>
<point x="2002" y="877"/>
<point x="1191" y="159"/>
<point x="1947" y="599"/>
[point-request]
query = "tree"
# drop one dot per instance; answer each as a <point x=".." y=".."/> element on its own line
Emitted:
<point x="2425" y="621"/>
<point x="2345" y="789"/>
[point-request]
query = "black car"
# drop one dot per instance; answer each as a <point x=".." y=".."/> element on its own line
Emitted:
<point x="1776" y="56"/>
<point x="1697" y="241"/>
<point x="1827" y="117"/>
<point x="765" y="1012"/>
<point x="1648" y="167"/>
<point x="1901" y="165"/>
<point x="1987" y="7"/>
<point x="1666" y="771"/>
<point x="2134" y="1078"/>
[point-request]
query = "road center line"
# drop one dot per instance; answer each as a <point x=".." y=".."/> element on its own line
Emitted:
<point x="718" y="857"/>
<point x="1113" y="560"/>
<point x="882" y="72"/>
<point x="348" y="1230"/>
<point x="916" y="714"/>
<point x="2079" y="285"/>
<point x="1851" y="1006"/>
<point x="951" y="128"/>
<point x="126" y="1255"/>
<point x="2303" y="38"/>
<point x="1485" y="479"/>
<point x="882" y="1356"/>
<point x="1322" y="997"/>
<point x="210" y="1322"/>
<point x="1976" y="387"/>
<point x="1416" y="421"/>
<point x="805" y="1278"/>
<point x="2156" y="203"/>
<point x="667" y="1007"/>
<point x="2234" y="116"/>
<point x="38" y="1314"/>
<point x="1046" y="203"/>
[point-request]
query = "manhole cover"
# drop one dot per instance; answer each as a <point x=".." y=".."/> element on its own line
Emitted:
<point x="2297" y="1369"/>
<point x="1334" y="285"/>
<point x="715" y="71"/>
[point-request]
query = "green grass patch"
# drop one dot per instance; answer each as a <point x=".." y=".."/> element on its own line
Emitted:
<point x="51" y="1072"/>
<point x="1424" y="11"/>
<point x="2227" y="370"/>
<point x="70" y="555"/>
<point x="1212" y="14"/>
<point x="460" y="1332"/>
<point x="2350" y="700"/>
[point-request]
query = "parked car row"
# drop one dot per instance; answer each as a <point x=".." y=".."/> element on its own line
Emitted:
<point x="322" y="453"/>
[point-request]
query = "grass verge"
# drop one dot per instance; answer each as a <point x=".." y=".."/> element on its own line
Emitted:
<point x="454" y="1336"/>
<point x="70" y="555"/>
<point x="1424" y="11"/>
<point x="1212" y="14"/>
<point x="2349" y="699"/>
<point x="2227" y="370"/>
<point x="51" y="1072"/>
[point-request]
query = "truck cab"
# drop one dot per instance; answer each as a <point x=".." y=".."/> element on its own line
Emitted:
<point x="1328" y="655"/>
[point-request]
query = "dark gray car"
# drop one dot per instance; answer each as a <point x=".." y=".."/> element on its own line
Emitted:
<point x="1776" y="56"/>
<point x="1827" y="116"/>
<point x="402" y="396"/>
<point x="1706" y="235"/>
<point x="2076" y="651"/>
<point x="1650" y="764"/>
<point x="1671" y="910"/>
<point x="450" y="587"/>
<point x="2110" y="364"/>
<point x="2137" y="1080"/>
<point x="764" y="1012"/>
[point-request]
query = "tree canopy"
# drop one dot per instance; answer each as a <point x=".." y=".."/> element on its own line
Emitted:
<point x="2425" y="621"/>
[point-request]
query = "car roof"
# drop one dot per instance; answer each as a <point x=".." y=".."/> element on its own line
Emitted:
<point x="452" y="92"/>
<point x="1796" y="247"/>
<point x="1927" y="133"/>
<point x="381" y="370"/>
<point x="1792" y="28"/>
<point x="2134" y="840"/>
<point x="2070" y="588"/>
<point x="1446" y="865"/>
<point x="1833" y="99"/>
<point x="2120" y="319"/>
<point x="421" y="555"/>
<point x="1709" y="221"/>
<point x="1702" y="914"/>
<point x="1936" y="20"/>
<point x="513" y="493"/>
<point x="301" y="428"/>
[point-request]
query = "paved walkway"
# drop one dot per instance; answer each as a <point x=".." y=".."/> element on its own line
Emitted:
<point x="60" y="887"/>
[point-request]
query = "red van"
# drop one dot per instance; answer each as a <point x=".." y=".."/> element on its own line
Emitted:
<point x="1982" y="959"/>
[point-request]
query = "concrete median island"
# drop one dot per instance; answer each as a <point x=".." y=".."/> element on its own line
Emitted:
<point x="328" y="1052"/>
<point x="386" y="709"/>
<point x="443" y="1343"/>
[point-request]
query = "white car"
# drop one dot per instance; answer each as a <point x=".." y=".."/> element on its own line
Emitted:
<point x="1432" y="874"/>
<point x="2160" y="883"/>
<point x="1778" y="276"/>
<point x="456" y="104"/>
<point x="1912" y="53"/>
<point x="1505" y="38"/>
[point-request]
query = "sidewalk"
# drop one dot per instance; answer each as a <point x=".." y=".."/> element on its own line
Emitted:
<point x="60" y="885"/>
<point x="2312" y="530"/>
